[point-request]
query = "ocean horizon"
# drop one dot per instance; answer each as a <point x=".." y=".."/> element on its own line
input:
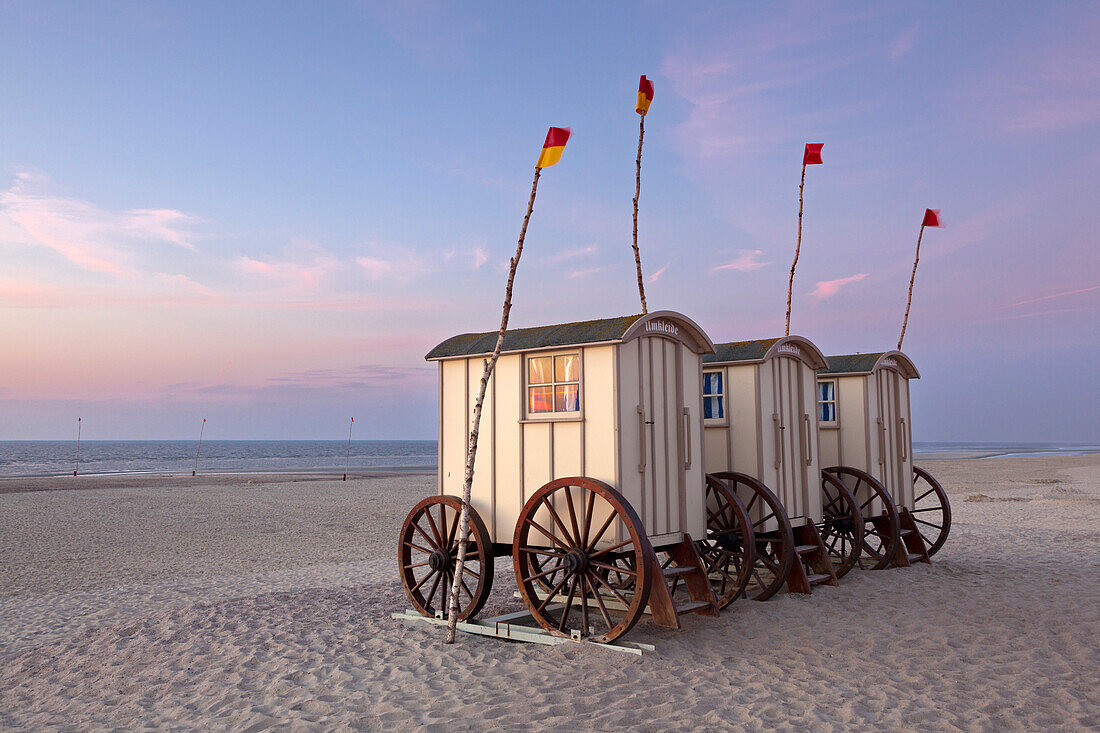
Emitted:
<point x="36" y="458"/>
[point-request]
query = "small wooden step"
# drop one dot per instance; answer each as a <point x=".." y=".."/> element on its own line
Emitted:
<point x="687" y="567"/>
<point x="677" y="571"/>
<point x="912" y="544"/>
<point x="915" y="557"/>
<point x="812" y="565"/>
<point x="906" y="532"/>
<point x="691" y="607"/>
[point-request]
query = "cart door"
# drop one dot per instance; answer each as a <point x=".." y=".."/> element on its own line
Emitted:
<point x="888" y="421"/>
<point x="662" y="403"/>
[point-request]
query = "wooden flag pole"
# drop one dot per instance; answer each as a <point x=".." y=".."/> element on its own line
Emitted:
<point x="347" y="459"/>
<point x="912" y="277"/>
<point x="77" y="447"/>
<point x="471" y="451"/>
<point x="637" y="193"/>
<point x="797" y="249"/>
<point x="201" y="431"/>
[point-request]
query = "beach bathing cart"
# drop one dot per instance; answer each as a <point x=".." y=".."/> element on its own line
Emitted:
<point x="589" y="474"/>
<point x="761" y="443"/>
<point x="867" y="443"/>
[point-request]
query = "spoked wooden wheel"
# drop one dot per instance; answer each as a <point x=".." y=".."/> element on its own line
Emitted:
<point x="728" y="548"/>
<point x="841" y="527"/>
<point x="428" y="553"/>
<point x="584" y="535"/>
<point x="773" y="538"/>
<point x="881" y="528"/>
<point x="931" y="510"/>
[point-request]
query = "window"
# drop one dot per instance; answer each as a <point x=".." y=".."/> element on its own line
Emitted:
<point x="553" y="384"/>
<point x="714" y="396"/>
<point x="826" y="401"/>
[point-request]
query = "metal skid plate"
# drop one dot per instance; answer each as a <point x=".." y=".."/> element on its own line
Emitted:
<point x="520" y="626"/>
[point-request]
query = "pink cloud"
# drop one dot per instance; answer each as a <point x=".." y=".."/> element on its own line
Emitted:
<point x="904" y="43"/>
<point x="587" y="272"/>
<point x="88" y="236"/>
<point x="746" y="262"/>
<point x="570" y="254"/>
<point x="655" y="276"/>
<point x="1055" y="295"/>
<point x="829" y="288"/>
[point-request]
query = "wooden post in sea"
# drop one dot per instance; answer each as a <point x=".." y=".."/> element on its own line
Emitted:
<point x="645" y="96"/>
<point x="347" y="459"/>
<point x="931" y="219"/>
<point x="77" y="447"/>
<point x="810" y="156"/>
<point x="552" y="149"/>
<point x="201" y="431"/>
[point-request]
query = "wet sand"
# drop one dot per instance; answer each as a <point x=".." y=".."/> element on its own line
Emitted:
<point x="220" y="604"/>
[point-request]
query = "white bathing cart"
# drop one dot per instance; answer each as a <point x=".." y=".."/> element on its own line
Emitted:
<point x="589" y="474"/>
<point x="867" y="443"/>
<point x="761" y="439"/>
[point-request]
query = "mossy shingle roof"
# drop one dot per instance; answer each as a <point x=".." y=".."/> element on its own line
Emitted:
<point x="525" y="339"/>
<point x="739" y="351"/>
<point x="851" y="363"/>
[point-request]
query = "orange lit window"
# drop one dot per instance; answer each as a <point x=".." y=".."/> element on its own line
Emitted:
<point x="554" y="384"/>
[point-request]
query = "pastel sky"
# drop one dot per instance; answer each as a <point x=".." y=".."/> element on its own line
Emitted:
<point x="266" y="213"/>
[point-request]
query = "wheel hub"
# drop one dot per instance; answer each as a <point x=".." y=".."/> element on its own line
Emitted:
<point x="575" y="561"/>
<point x="729" y="541"/>
<point x="439" y="560"/>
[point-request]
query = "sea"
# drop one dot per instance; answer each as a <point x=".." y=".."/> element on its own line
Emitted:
<point x="19" y="458"/>
<point x="58" y="457"/>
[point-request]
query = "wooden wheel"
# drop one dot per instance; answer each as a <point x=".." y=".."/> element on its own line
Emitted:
<point x="881" y="531"/>
<point x="773" y="538"/>
<point x="931" y="510"/>
<point x="727" y="550"/>
<point x="841" y="527"/>
<point x="602" y="572"/>
<point x="429" y="549"/>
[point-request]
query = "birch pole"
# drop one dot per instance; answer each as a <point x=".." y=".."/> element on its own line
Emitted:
<point x="77" y="447"/>
<point x="797" y="249"/>
<point x="810" y="156"/>
<point x="637" y="193"/>
<point x="645" y="97"/>
<point x="471" y="449"/>
<point x="201" y="431"/>
<point x="347" y="458"/>
<point x="931" y="219"/>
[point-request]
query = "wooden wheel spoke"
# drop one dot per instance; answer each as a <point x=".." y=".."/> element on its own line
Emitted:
<point x="588" y="512"/>
<point x="552" y="594"/>
<point x="551" y="537"/>
<point x="930" y="491"/>
<point x="600" y="603"/>
<point x="545" y="573"/>
<point x="435" y="529"/>
<point x="462" y="584"/>
<point x="467" y="569"/>
<point x="416" y="565"/>
<point x="930" y="524"/>
<point x="614" y="568"/>
<point x="613" y="591"/>
<point x="928" y="509"/>
<point x="454" y="528"/>
<point x="752" y="501"/>
<point x="416" y="587"/>
<point x="612" y="548"/>
<point x="568" y="604"/>
<point x="599" y="535"/>
<point x="542" y="551"/>
<point x="558" y="522"/>
<point x="582" y="579"/>
<point x="431" y="541"/>
<point x="417" y="547"/>
<point x="572" y="516"/>
<point x="431" y="593"/>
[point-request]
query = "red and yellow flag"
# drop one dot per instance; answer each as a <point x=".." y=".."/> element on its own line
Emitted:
<point x="645" y="95"/>
<point x="931" y="218"/>
<point x="812" y="156"/>
<point x="556" y="138"/>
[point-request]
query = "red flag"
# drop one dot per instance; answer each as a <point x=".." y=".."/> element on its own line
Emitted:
<point x="556" y="138"/>
<point x="645" y="95"/>
<point x="931" y="218"/>
<point x="812" y="156"/>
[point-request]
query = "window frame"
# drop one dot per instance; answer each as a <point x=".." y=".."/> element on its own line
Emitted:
<point x="835" y="422"/>
<point x="723" y="395"/>
<point x="553" y="415"/>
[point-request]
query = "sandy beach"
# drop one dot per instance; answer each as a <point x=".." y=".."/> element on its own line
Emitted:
<point x="247" y="602"/>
